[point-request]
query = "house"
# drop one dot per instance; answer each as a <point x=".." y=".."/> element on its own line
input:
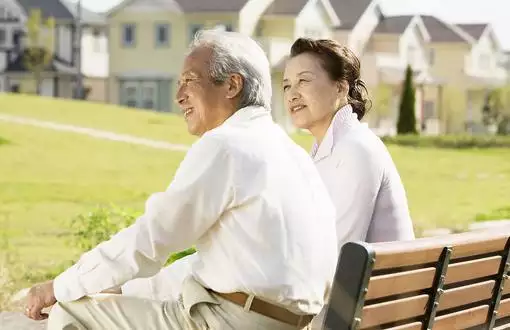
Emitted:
<point x="465" y="59"/>
<point x="395" y="43"/>
<point x="483" y="69"/>
<point x="94" y="51"/>
<point x="58" y="78"/>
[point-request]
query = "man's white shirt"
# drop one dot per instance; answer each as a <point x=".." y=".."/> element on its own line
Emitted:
<point x="253" y="204"/>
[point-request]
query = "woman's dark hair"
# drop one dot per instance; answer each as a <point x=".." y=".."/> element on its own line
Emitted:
<point x="341" y="64"/>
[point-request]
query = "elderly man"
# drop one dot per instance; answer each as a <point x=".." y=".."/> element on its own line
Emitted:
<point x="249" y="199"/>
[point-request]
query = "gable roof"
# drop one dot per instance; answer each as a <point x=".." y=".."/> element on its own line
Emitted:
<point x="474" y="30"/>
<point x="285" y="7"/>
<point x="349" y="11"/>
<point x="190" y="6"/>
<point x="393" y="24"/>
<point x="441" y="31"/>
<point x="49" y="8"/>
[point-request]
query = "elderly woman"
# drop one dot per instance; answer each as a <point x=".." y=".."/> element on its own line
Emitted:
<point x="324" y="94"/>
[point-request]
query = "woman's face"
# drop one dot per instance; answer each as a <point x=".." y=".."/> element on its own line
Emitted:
<point x="310" y="96"/>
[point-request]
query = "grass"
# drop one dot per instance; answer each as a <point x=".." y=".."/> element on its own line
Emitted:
<point x="160" y="126"/>
<point x="49" y="177"/>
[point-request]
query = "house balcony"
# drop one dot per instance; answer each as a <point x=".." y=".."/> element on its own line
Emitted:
<point x="277" y="50"/>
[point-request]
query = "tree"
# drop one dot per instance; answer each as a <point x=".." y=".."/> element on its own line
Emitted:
<point x="39" y="45"/>
<point x="407" y="118"/>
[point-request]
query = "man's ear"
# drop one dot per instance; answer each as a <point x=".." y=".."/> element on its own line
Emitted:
<point x="235" y="85"/>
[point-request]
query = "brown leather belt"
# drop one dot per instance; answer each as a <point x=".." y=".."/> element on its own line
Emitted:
<point x="268" y="309"/>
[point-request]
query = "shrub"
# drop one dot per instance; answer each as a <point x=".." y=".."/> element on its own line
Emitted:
<point x="407" y="117"/>
<point x="92" y="228"/>
<point x="450" y="141"/>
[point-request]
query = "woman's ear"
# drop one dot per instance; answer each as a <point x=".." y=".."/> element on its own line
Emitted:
<point x="343" y="87"/>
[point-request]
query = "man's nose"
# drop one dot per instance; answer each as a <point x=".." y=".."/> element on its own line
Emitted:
<point x="180" y="96"/>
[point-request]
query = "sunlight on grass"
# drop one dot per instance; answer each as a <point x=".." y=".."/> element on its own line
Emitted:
<point x="49" y="177"/>
<point x="149" y="124"/>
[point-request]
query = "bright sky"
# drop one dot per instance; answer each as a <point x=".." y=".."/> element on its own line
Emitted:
<point x="495" y="12"/>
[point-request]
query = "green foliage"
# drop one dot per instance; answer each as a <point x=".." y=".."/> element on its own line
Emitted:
<point x="40" y="44"/>
<point x="92" y="228"/>
<point x="88" y="230"/>
<point x="407" y="118"/>
<point x="450" y="141"/>
<point x="498" y="214"/>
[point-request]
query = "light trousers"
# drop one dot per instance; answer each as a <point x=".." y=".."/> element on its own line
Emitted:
<point x="197" y="308"/>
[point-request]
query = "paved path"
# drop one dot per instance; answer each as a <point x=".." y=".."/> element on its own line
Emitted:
<point x="99" y="134"/>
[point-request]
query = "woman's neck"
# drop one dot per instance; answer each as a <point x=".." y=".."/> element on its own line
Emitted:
<point x="321" y="127"/>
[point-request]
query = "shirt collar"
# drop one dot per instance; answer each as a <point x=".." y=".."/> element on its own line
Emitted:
<point x="343" y="119"/>
<point x="246" y="114"/>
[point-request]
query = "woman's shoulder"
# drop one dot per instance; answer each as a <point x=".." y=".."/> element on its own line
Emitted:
<point x="362" y="144"/>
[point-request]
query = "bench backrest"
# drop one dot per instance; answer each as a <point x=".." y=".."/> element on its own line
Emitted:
<point x="448" y="282"/>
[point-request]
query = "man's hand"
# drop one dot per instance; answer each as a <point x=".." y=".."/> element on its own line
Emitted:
<point x="40" y="296"/>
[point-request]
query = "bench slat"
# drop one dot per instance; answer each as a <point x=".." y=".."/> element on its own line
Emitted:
<point x="423" y="251"/>
<point x="393" y="311"/>
<point x="397" y="283"/>
<point x="504" y="308"/>
<point x="463" y="319"/>
<point x="465" y="295"/>
<point x="469" y="270"/>
<point x="410" y="326"/>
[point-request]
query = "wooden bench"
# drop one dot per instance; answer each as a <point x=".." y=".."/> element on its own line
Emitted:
<point x="441" y="283"/>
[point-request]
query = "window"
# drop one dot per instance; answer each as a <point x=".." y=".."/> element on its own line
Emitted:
<point x="149" y="95"/>
<point x="224" y="27"/>
<point x="162" y="34"/>
<point x="96" y="36"/>
<point x="193" y="29"/>
<point x="3" y="37"/>
<point x="128" y="34"/>
<point x="17" y="36"/>
<point x="432" y="56"/>
<point x="131" y="94"/>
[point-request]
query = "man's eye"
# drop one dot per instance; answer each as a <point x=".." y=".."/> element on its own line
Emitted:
<point x="286" y="87"/>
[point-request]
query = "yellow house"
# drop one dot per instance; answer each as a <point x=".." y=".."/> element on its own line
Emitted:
<point x="148" y="42"/>
<point x="465" y="58"/>
<point x="395" y="43"/>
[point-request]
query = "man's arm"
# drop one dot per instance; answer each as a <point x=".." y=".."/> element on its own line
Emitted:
<point x="201" y="190"/>
<point x="165" y="285"/>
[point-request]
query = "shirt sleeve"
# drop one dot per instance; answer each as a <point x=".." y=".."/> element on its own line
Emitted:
<point x="200" y="192"/>
<point x="166" y="284"/>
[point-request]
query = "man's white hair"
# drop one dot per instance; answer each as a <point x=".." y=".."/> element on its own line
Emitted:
<point x="233" y="52"/>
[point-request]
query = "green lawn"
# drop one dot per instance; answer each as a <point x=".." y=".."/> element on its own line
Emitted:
<point x="48" y="177"/>
<point x="148" y="124"/>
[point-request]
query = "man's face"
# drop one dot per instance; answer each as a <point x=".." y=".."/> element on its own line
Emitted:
<point x="198" y="97"/>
